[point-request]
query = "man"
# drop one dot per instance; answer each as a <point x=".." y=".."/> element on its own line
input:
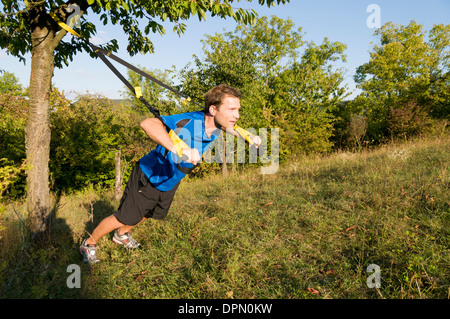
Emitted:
<point x="155" y="178"/>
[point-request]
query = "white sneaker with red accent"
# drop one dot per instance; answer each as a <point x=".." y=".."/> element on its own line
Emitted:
<point x="126" y="240"/>
<point x="89" y="253"/>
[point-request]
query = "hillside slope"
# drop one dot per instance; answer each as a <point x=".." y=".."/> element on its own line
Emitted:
<point x="309" y="231"/>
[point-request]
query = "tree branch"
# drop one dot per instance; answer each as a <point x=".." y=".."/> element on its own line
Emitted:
<point x="27" y="8"/>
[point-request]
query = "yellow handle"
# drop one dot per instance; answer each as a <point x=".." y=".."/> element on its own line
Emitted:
<point x="138" y="91"/>
<point x="64" y="26"/>
<point x="245" y="134"/>
<point x="178" y="143"/>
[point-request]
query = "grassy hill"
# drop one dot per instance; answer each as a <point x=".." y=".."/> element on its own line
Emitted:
<point x="309" y="231"/>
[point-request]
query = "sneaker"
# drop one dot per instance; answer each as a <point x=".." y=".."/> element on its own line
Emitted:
<point x="89" y="253"/>
<point x="126" y="240"/>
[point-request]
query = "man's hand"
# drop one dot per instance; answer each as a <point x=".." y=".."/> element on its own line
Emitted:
<point x="191" y="155"/>
<point x="257" y="140"/>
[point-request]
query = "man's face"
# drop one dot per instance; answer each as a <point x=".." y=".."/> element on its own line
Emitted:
<point x="227" y="113"/>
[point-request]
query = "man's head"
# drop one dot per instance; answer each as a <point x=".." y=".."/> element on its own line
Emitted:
<point x="223" y="102"/>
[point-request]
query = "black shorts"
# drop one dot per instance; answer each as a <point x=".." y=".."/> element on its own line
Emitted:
<point x="141" y="199"/>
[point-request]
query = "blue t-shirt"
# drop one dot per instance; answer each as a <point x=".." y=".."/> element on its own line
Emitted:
<point x="160" y="165"/>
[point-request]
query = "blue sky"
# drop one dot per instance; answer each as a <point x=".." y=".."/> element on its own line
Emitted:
<point x="339" y="20"/>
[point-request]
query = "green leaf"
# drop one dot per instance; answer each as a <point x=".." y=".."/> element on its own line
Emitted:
<point x="193" y="8"/>
<point x="201" y="14"/>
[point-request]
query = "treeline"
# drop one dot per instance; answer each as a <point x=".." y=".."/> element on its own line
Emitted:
<point x="287" y="83"/>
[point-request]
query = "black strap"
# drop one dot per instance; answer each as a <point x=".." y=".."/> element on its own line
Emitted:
<point x="101" y="54"/>
<point x="138" y="71"/>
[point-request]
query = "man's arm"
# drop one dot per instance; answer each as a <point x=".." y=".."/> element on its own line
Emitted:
<point x="255" y="139"/>
<point x="156" y="131"/>
<point x="231" y="131"/>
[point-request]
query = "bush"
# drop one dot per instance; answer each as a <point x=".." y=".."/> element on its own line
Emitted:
<point x="408" y="119"/>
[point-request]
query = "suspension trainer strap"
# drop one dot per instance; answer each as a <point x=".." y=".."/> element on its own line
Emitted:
<point x="139" y="71"/>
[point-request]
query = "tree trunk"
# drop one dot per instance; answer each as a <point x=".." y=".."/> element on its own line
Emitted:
<point x="118" y="184"/>
<point x="37" y="137"/>
<point x="224" y="155"/>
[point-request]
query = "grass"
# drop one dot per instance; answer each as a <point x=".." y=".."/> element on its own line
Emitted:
<point x="308" y="231"/>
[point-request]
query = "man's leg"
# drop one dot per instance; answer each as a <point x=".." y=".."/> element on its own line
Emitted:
<point x="88" y="248"/>
<point x="126" y="228"/>
<point x="122" y="236"/>
<point x="106" y="226"/>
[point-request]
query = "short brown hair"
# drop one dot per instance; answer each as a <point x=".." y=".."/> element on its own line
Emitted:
<point x="215" y="95"/>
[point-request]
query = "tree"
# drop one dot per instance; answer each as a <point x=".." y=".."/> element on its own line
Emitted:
<point x="13" y="106"/>
<point x="9" y="84"/>
<point x="163" y="100"/>
<point x="274" y="41"/>
<point x="306" y="94"/>
<point x="27" y="26"/>
<point x="88" y="134"/>
<point x="250" y="58"/>
<point x="12" y="151"/>
<point x="281" y="87"/>
<point x="405" y="70"/>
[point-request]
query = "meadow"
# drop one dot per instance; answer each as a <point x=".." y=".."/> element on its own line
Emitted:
<point x="309" y="231"/>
